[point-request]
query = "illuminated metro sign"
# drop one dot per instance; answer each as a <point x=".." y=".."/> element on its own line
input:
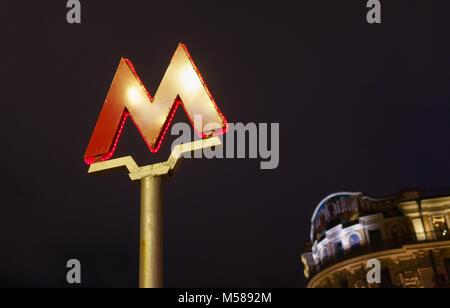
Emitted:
<point x="182" y="84"/>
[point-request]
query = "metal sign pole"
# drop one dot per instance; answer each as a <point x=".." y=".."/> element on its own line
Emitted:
<point x="151" y="250"/>
<point x="151" y="179"/>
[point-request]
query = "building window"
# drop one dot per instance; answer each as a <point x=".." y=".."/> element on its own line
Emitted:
<point x="447" y="266"/>
<point x="339" y="250"/>
<point x="324" y="255"/>
<point x="440" y="227"/>
<point x="419" y="228"/>
<point x="386" y="281"/>
<point x="398" y="235"/>
<point x="354" y="242"/>
<point x="343" y="284"/>
<point x="376" y="239"/>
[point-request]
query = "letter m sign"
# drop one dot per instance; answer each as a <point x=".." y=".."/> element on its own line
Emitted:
<point x="182" y="85"/>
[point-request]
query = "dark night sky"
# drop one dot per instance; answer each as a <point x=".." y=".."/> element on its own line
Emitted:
<point x="361" y="108"/>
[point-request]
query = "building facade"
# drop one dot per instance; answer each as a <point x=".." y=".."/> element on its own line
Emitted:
<point x="408" y="234"/>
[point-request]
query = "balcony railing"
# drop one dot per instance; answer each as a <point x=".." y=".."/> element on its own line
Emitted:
<point x="381" y="245"/>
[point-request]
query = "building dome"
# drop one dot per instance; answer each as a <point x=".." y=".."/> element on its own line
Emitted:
<point x="346" y="208"/>
<point x="350" y="228"/>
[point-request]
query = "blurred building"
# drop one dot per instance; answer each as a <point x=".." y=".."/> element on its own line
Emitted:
<point x="408" y="233"/>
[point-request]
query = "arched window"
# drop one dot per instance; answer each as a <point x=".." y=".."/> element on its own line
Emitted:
<point x="354" y="241"/>
<point x="324" y="255"/>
